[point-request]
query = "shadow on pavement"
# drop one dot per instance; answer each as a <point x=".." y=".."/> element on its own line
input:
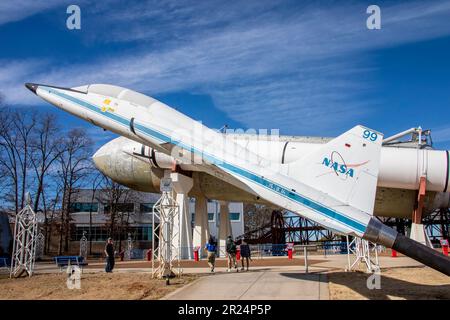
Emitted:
<point x="357" y="281"/>
<point x="310" y="276"/>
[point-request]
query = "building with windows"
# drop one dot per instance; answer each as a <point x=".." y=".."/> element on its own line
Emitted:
<point x="236" y="216"/>
<point x="94" y="214"/>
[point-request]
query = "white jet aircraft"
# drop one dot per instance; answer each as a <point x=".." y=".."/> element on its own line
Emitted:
<point x="342" y="201"/>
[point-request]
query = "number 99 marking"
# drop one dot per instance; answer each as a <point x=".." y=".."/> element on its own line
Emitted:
<point x="372" y="136"/>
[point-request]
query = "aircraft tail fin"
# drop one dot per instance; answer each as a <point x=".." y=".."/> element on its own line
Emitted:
<point x="346" y="168"/>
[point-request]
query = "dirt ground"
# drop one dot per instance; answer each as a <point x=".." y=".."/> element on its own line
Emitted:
<point x="419" y="283"/>
<point x="123" y="286"/>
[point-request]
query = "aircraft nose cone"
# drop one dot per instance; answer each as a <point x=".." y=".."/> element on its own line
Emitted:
<point x="102" y="159"/>
<point x="32" y="87"/>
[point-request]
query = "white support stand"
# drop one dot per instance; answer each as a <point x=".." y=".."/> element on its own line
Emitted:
<point x="83" y="245"/>
<point x="362" y="253"/>
<point x="40" y="243"/>
<point x="201" y="225"/>
<point x="183" y="229"/>
<point x="419" y="234"/>
<point x="24" y="247"/>
<point x="129" y="247"/>
<point x="224" y="227"/>
<point x="165" y="257"/>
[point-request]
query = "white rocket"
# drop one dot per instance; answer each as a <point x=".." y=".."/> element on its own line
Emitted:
<point x="141" y="167"/>
<point x="334" y="185"/>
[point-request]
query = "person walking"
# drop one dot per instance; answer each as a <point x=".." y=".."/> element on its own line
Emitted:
<point x="231" y="253"/>
<point x="245" y="254"/>
<point x="211" y="248"/>
<point x="109" y="252"/>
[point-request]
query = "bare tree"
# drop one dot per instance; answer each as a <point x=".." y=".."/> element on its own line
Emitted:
<point x="24" y="123"/>
<point x="115" y="198"/>
<point x="15" y="134"/>
<point x="124" y="216"/>
<point x="45" y="148"/>
<point x="256" y="216"/>
<point x="74" y="165"/>
<point x="9" y="161"/>
<point x="98" y="179"/>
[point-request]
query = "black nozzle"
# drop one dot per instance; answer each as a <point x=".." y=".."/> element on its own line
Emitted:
<point x="422" y="253"/>
<point x="379" y="233"/>
<point x="32" y="87"/>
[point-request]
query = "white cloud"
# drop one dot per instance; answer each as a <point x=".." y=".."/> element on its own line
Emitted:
<point x="17" y="10"/>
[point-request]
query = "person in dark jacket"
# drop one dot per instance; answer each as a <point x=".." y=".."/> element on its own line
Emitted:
<point x="109" y="252"/>
<point x="211" y="248"/>
<point x="245" y="254"/>
<point x="231" y="253"/>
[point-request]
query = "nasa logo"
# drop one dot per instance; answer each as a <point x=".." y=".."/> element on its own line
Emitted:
<point x="337" y="167"/>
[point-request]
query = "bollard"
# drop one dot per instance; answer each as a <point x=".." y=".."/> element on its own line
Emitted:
<point x="445" y="250"/>
<point x="290" y="253"/>
<point x="196" y="255"/>
<point x="394" y="253"/>
<point x="149" y="254"/>
<point x="444" y="245"/>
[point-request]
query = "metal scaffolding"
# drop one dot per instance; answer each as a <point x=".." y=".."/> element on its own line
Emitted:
<point x="40" y="244"/>
<point x="83" y="245"/>
<point x="129" y="250"/>
<point x="165" y="239"/>
<point x="363" y="252"/>
<point x="437" y="225"/>
<point x="24" y="247"/>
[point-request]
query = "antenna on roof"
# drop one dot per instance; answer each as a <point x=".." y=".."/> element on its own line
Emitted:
<point x="223" y="128"/>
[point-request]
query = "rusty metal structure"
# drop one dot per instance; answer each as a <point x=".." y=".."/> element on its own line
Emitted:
<point x="437" y="225"/>
<point x="288" y="228"/>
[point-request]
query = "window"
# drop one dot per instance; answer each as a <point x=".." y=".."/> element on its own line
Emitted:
<point x="139" y="233"/>
<point x="120" y="207"/>
<point x="235" y="216"/>
<point x="146" y="207"/>
<point x="210" y="216"/>
<point x="98" y="233"/>
<point x="83" y="207"/>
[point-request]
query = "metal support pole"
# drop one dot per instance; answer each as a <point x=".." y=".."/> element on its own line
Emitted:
<point x="305" y="251"/>
<point x="348" y="253"/>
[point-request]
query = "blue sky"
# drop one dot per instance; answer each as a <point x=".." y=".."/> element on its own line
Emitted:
<point x="306" y="68"/>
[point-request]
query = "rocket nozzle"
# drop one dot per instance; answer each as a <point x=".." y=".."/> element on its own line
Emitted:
<point x="379" y="233"/>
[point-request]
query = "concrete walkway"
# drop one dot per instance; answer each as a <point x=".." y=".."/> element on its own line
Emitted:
<point x="259" y="285"/>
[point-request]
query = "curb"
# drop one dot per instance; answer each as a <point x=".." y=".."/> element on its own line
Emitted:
<point x="169" y="295"/>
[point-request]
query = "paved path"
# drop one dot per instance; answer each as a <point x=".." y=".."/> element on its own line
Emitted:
<point x="259" y="284"/>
